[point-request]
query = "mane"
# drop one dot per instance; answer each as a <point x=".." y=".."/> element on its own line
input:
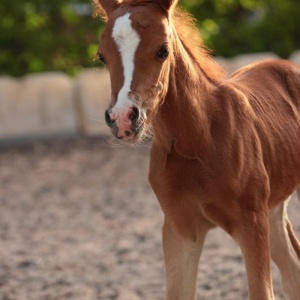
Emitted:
<point x="188" y="33"/>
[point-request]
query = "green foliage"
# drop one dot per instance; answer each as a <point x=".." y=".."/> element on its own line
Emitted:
<point x="41" y="36"/>
<point x="232" y="27"/>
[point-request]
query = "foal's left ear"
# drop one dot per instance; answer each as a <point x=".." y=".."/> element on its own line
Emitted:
<point x="167" y="5"/>
<point x="105" y="7"/>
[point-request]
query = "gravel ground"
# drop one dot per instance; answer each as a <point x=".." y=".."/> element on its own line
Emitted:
<point x="79" y="221"/>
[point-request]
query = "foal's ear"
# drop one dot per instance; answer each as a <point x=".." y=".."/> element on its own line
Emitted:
<point x="167" y="5"/>
<point x="105" y="7"/>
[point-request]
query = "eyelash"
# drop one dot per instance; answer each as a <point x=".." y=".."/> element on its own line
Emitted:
<point x="101" y="58"/>
<point x="163" y="52"/>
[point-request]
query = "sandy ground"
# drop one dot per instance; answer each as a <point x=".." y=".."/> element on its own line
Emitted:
<point x="79" y="221"/>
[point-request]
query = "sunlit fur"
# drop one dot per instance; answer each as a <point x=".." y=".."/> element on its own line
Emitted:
<point x="225" y="151"/>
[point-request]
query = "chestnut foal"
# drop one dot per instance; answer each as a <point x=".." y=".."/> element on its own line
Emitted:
<point x="225" y="152"/>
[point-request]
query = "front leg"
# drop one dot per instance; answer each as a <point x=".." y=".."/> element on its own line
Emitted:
<point x="182" y="253"/>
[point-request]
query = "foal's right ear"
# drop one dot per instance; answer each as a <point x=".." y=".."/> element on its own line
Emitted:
<point x="167" y="5"/>
<point x="105" y="7"/>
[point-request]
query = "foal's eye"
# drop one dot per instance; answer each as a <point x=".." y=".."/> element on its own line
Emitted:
<point x="101" y="58"/>
<point x="163" y="52"/>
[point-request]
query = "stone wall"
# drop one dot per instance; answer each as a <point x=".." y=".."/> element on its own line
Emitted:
<point x="52" y="104"/>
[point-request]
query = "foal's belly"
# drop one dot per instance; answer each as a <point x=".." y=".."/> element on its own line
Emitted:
<point x="203" y="189"/>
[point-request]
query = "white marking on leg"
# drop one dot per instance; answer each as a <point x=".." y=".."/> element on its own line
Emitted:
<point x="127" y="40"/>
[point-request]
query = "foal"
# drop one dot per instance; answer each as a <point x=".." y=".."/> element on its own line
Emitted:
<point x="225" y="152"/>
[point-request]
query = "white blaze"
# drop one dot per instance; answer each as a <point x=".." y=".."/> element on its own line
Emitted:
<point x="127" y="40"/>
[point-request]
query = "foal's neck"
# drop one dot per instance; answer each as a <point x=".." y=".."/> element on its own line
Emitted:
<point x="184" y="115"/>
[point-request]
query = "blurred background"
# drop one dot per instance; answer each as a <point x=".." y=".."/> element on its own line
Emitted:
<point x="39" y="36"/>
<point x="78" y="219"/>
<point x="52" y="85"/>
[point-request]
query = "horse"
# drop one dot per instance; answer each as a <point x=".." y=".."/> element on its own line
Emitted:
<point x="225" y="150"/>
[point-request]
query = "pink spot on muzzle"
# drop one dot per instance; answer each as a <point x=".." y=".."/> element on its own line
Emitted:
<point x="124" y="119"/>
<point x="124" y="128"/>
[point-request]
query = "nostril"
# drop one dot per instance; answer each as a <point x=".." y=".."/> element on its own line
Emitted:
<point x="134" y="114"/>
<point x="108" y="119"/>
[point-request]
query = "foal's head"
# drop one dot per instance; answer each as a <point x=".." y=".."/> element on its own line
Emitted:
<point x="144" y="44"/>
<point x="136" y="48"/>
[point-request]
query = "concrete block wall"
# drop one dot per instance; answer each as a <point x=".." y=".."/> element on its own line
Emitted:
<point x="91" y="97"/>
<point x="37" y="105"/>
<point x="53" y="104"/>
